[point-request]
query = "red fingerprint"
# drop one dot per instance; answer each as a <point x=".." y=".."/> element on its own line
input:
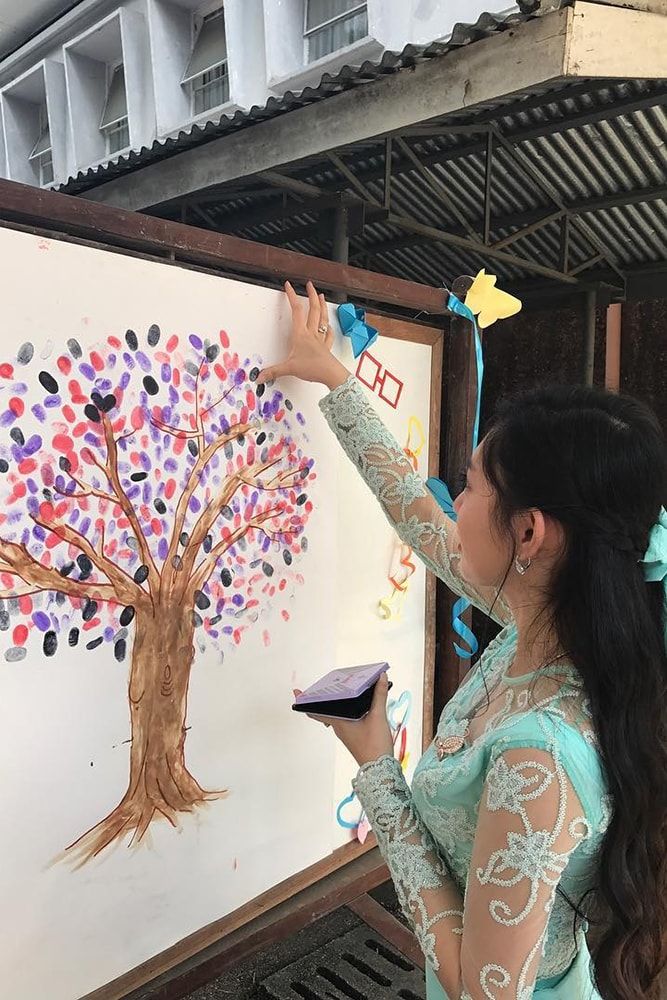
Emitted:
<point x="17" y="406"/>
<point x="19" y="635"/>
<point x="64" y="364"/>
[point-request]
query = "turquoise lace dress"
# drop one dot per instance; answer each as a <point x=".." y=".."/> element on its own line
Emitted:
<point x="479" y="844"/>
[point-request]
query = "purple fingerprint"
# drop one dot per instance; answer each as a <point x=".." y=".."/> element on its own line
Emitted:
<point x="74" y="516"/>
<point x="129" y="360"/>
<point x="147" y="493"/>
<point x="42" y="621"/>
<point x="173" y="395"/>
<point x="25" y="536"/>
<point x="103" y="384"/>
<point x="32" y="505"/>
<point x="228" y="629"/>
<point x="171" y="464"/>
<point x="145" y="461"/>
<point x="84" y="526"/>
<point x="239" y="377"/>
<point x="301" y="419"/>
<point x="17" y="453"/>
<point x="87" y="371"/>
<point x="224" y="425"/>
<point x="195" y="341"/>
<point x="52" y="401"/>
<point x="14" y="516"/>
<point x="38" y="411"/>
<point x="32" y="485"/>
<point x="163" y="548"/>
<point x="7" y="418"/>
<point x="124" y="380"/>
<point x="133" y="492"/>
<point x="33" y="444"/>
<point x="111" y="361"/>
<point x="91" y="438"/>
<point x="155" y="434"/>
<point x="167" y="415"/>
<point x="237" y="599"/>
<point x="265" y="544"/>
<point x="19" y="388"/>
<point x="148" y="531"/>
<point x="109" y="633"/>
<point x="165" y="372"/>
<point x="194" y="504"/>
<point x="144" y="363"/>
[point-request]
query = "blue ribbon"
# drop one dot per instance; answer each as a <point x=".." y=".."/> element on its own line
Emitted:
<point x="352" y="323"/>
<point x="655" y="559"/>
<point x="441" y="491"/>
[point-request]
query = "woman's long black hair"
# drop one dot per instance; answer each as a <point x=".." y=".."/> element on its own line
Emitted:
<point x="597" y="463"/>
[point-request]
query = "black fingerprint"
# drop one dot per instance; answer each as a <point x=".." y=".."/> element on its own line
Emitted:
<point x="201" y="600"/>
<point x="50" y="643"/>
<point x="89" y="609"/>
<point x="261" y="389"/>
<point x="150" y="385"/>
<point x="267" y="569"/>
<point x="197" y="620"/>
<point x="126" y="615"/>
<point x="226" y="577"/>
<point x="261" y="438"/>
<point x="74" y="347"/>
<point x="287" y="556"/>
<point x="85" y="566"/>
<point x="212" y="352"/>
<point x="137" y="477"/>
<point x="141" y="574"/>
<point x="254" y="372"/>
<point x="73" y="636"/>
<point x="153" y="335"/>
<point x="25" y="353"/>
<point x="48" y="382"/>
<point x="92" y="413"/>
<point x="184" y="538"/>
<point x="131" y="340"/>
<point x="108" y="403"/>
<point x="65" y="464"/>
<point x="66" y="569"/>
<point x="207" y="544"/>
<point x="119" y="650"/>
<point x="4" y="465"/>
<point x="94" y="643"/>
<point x="16" y="434"/>
<point x="160" y="506"/>
<point x="192" y="448"/>
<point x="97" y="399"/>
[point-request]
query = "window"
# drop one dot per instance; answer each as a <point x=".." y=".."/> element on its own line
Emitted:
<point x="114" y="123"/>
<point x="207" y="72"/>
<point x="41" y="151"/>
<point x="333" y="24"/>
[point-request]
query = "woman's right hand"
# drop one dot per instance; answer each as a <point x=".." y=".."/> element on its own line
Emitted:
<point x="309" y="354"/>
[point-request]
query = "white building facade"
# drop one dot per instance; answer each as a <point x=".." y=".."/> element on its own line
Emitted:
<point x="109" y="77"/>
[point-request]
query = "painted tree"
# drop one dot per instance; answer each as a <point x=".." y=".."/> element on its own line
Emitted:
<point x="154" y="498"/>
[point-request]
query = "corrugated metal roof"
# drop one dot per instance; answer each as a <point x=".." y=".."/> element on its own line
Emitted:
<point x="347" y="78"/>
<point x="598" y="148"/>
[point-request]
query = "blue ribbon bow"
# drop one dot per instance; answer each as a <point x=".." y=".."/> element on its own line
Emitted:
<point x="352" y="323"/>
<point x="440" y="490"/>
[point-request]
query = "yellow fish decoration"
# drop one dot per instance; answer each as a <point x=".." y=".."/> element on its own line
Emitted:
<point x="490" y="303"/>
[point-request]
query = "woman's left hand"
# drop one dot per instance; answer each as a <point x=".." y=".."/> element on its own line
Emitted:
<point x="370" y="737"/>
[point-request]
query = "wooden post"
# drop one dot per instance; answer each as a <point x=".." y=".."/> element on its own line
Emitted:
<point x="612" y="378"/>
<point x="589" y="337"/>
<point x="341" y="243"/>
<point x="458" y="418"/>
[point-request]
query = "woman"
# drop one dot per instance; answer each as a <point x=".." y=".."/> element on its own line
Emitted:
<point x="545" y="789"/>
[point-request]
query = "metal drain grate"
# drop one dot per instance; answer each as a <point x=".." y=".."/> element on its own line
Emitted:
<point x="357" y="966"/>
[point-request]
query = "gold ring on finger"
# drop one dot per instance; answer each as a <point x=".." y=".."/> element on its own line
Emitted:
<point x="322" y="328"/>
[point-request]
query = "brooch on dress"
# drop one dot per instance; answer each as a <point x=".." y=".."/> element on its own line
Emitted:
<point x="445" y="745"/>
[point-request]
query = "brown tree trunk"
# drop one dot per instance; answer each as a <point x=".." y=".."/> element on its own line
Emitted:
<point x="160" y="785"/>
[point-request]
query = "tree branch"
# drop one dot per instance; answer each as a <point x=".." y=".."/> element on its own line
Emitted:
<point x="45" y="578"/>
<point x="126" y="590"/>
<point x="206" y="566"/>
<point x="127" y="507"/>
<point x="193" y="481"/>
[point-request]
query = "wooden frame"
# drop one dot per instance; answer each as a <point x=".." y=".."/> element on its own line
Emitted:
<point x="353" y="869"/>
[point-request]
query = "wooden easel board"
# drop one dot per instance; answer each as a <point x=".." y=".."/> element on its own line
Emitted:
<point x="152" y="886"/>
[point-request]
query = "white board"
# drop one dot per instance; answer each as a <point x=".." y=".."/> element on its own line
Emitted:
<point x="65" y="717"/>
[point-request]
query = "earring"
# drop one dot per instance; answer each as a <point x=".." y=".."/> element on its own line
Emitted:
<point x="521" y="567"/>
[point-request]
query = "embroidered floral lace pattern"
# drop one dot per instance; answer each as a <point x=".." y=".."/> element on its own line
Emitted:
<point x="479" y="845"/>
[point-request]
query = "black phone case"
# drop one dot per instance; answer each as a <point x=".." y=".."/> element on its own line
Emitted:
<point x="342" y="708"/>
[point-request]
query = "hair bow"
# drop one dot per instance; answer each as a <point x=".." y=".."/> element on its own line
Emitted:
<point x="352" y="323"/>
<point x="655" y="560"/>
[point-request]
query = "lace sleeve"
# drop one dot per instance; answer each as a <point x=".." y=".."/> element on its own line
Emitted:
<point x="530" y="821"/>
<point x="402" y="493"/>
